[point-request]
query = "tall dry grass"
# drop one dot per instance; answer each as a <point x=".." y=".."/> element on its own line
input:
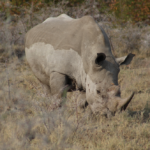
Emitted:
<point x="30" y="119"/>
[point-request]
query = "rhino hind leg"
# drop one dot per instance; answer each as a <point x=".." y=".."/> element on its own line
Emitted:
<point x="60" y="84"/>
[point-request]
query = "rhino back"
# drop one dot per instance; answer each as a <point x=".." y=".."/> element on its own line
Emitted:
<point x="60" y="34"/>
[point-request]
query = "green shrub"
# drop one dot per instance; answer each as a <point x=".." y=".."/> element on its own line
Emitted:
<point x="17" y="6"/>
<point x="136" y="10"/>
<point x="24" y="2"/>
<point x="103" y="6"/>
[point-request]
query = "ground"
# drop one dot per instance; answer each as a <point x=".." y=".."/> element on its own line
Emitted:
<point x="30" y="119"/>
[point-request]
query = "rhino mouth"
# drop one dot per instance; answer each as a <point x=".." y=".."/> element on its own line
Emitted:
<point x="108" y="102"/>
<point x="118" y="104"/>
<point x="116" y="98"/>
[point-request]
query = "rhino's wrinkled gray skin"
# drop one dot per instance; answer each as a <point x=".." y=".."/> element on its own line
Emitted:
<point x="62" y="50"/>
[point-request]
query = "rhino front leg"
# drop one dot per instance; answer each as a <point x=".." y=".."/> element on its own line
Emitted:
<point x="59" y="84"/>
<point x="81" y="100"/>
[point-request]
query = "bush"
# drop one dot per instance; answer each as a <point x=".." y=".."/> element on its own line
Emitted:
<point x="18" y="6"/>
<point x="136" y="10"/>
<point x="24" y="2"/>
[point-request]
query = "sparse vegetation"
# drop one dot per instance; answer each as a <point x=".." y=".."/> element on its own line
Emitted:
<point x="136" y="10"/>
<point x="30" y="119"/>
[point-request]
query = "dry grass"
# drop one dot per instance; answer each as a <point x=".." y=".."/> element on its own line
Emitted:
<point x="30" y="119"/>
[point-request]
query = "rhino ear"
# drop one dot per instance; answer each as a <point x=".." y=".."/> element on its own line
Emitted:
<point x="126" y="60"/>
<point x="100" y="57"/>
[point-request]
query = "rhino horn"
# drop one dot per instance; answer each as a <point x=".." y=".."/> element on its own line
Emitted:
<point x="124" y="102"/>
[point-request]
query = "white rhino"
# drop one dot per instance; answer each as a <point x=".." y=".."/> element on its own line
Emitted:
<point x="62" y="51"/>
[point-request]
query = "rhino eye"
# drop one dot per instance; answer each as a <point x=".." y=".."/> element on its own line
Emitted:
<point x="98" y="92"/>
<point x="100" y="57"/>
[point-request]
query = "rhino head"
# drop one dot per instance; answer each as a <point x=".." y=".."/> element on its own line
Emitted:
<point x="102" y="68"/>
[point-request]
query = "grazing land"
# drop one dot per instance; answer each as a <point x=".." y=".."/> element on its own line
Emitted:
<point x="31" y="119"/>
